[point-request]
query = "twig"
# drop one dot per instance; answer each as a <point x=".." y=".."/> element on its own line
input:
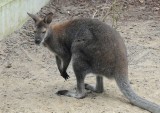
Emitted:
<point x="94" y="14"/>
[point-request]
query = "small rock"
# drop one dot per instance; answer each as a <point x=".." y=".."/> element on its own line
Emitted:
<point x="131" y="82"/>
<point x="141" y="1"/>
<point x="156" y="8"/>
<point x="9" y="65"/>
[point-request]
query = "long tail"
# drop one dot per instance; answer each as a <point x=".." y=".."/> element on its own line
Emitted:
<point x="124" y="85"/>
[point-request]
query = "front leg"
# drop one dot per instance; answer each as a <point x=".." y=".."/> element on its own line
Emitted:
<point x="81" y="68"/>
<point x="62" y="63"/>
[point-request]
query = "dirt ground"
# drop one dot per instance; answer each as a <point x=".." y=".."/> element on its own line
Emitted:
<point x="29" y="77"/>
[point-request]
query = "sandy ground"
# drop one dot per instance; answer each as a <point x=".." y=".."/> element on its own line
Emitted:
<point x="29" y="77"/>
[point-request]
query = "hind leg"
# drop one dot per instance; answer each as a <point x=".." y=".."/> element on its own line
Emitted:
<point x="99" y="85"/>
<point x="81" y="68"/>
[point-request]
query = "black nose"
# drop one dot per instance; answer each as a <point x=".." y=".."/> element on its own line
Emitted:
<point x="37" y="41"/>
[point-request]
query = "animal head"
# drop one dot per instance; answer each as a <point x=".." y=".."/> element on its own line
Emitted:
<point x="41" y="25"/>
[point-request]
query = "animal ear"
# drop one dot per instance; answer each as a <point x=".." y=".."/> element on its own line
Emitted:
<point x="48" y="18"/>
<point x="34" y="17"/>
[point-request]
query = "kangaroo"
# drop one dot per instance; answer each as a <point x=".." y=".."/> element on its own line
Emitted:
<point x="94" y="48"/>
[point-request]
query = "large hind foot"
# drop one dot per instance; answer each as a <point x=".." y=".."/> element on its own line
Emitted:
<point x="71" y="94"/>
<point x="93" y="88"/>
<point x="99" y="85"/>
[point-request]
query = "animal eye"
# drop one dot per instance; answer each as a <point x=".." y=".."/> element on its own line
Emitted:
<point x="44" y="30"/>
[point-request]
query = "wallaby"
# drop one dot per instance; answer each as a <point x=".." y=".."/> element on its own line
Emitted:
<point x="95" y="48"/>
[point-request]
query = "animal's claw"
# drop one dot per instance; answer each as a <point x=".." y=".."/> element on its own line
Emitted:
<point x="65" y="76"/>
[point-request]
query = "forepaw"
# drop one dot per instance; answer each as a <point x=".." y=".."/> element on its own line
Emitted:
<point x="65" y="76"/>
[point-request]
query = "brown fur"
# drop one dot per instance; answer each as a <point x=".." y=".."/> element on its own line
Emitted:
<point x="60" y="27"/>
